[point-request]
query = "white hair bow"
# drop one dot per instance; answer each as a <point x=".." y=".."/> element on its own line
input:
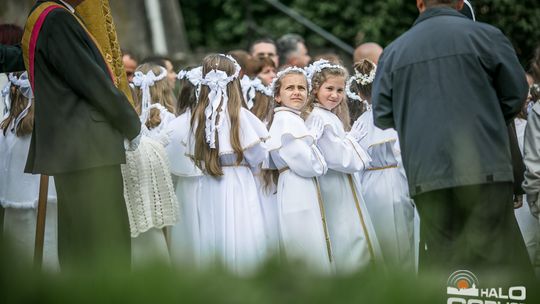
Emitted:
<point x="194" y="76"/>
<point x="145" y="81"/>
<point x="217" y="81"/>
<point x="6" y="99"/>
<point x="248" y="91"/>
<point x="320" y="65"/>
<point x="250" y="87"/>
<point x="286" y="71"/>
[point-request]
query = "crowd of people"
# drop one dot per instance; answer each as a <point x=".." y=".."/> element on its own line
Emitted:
<point x="405" y="162"/>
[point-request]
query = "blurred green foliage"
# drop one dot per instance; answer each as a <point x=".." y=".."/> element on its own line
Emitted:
<point x="222" y="25"/>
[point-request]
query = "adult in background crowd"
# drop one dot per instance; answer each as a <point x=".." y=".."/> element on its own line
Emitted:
<point x="264" y="47"/>
<point x="454" y="140"/>
<point x="292" y="51"/>
<point x="81" y="121"/>
<point x="130" y="64"/>
<point x="369" y="50"/>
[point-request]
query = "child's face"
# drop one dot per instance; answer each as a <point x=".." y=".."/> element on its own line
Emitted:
<point x="293" y="91"/>
<point x="267" y="75"/>
<point x="331" y="92"/>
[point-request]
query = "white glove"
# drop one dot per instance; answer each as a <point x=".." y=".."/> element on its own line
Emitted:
<point x="164" y="137"/>
<point x="316" y="128"/>
<point x="358" y="131"/>
<point x="133" y="144"/>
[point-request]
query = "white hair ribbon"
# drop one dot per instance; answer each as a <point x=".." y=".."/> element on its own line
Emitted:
<point x="217" y="81"/>
<point x="320" y="65"/>
<point x="286" y="71"/>
<point x="194" y="76"/>
<point x="348" y="91"/>
<point x="250" y="87"/>
<point x="24" y="87"/>
<point x="145" y="81"/>
<point x="6" y="99"/>
<point x="248" y="91"/>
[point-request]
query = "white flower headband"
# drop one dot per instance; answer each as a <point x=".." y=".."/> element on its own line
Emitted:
<point x="24" y="86"/>
<point x="217" y="81"/>
<point x="250" y="87"/>
<point x="363" y="79"/>
<point x="194" y="76"/>
<point x="320" y="65"/>
<point x="286" y="71"/>
<point x="145" y="81"/>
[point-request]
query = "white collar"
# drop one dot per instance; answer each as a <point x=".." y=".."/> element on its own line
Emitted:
<point x="69" y="7"/>
<point x="287" y="109"/>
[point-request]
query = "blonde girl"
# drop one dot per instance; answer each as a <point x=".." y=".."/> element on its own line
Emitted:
<point x="155" y="99"/>
<point x="354" y="242"/>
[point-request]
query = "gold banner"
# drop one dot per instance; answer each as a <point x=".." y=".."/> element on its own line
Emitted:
<point x="96" y="14"/>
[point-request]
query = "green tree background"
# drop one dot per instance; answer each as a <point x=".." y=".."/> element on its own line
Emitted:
<point x="221" y="25"/>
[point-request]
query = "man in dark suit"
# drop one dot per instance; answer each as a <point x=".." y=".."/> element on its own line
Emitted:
<point x="450" y="86"/>
<point x="81" y="122"/>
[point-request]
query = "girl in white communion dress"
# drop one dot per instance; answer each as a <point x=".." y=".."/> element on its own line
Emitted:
<point x="226" y="141"/>
<point x="302" y="229"/>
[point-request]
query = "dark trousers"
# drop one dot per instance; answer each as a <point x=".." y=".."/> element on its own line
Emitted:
<point x="472" y="228"/>
<point x="93" y="226"/>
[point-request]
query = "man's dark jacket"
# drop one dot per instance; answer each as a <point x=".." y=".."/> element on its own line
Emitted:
<point x="11" y="59"/>
<point x="449" y="86"/>
<point x="81" y="118"/>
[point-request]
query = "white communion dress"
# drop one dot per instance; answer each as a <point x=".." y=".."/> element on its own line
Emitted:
<point x="19" y="193"/>
<point x="185" y="235"/>
<point x="354" y="242"/>
<point x="302" y="229"/>
<point x="385" y="190"/>
<point x="230" y="217"/>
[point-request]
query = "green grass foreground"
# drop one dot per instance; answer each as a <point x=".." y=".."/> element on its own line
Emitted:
<point x="275" y="283"/>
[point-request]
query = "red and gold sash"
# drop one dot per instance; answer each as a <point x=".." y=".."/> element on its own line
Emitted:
<point x="31" y="32"/>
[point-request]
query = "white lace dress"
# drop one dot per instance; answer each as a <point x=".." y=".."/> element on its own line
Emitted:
<point x="149" y="193"/>
<point x="19" y="194"/>
<point x="302" y="232"/>
<point x="230" y="216"/>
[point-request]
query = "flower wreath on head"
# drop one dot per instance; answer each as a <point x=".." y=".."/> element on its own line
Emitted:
<point x="286" y="71"/>
<point x="320" y="65"/>
<point x="194" y="76"/>
<point x="26" y="90"/>
<point x="250" y="87"/>
<point x="363" y="79"/>
<point x="145" y="81"/>
<point x="217" y="81"/>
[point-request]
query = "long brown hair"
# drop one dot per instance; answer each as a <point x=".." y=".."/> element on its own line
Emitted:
<point x="187" y="98"/>
<point x="161" y="92"/>
<point x="318" y="79"/>
<point x="18" y="104"/>
<point x="205" y="158"/>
